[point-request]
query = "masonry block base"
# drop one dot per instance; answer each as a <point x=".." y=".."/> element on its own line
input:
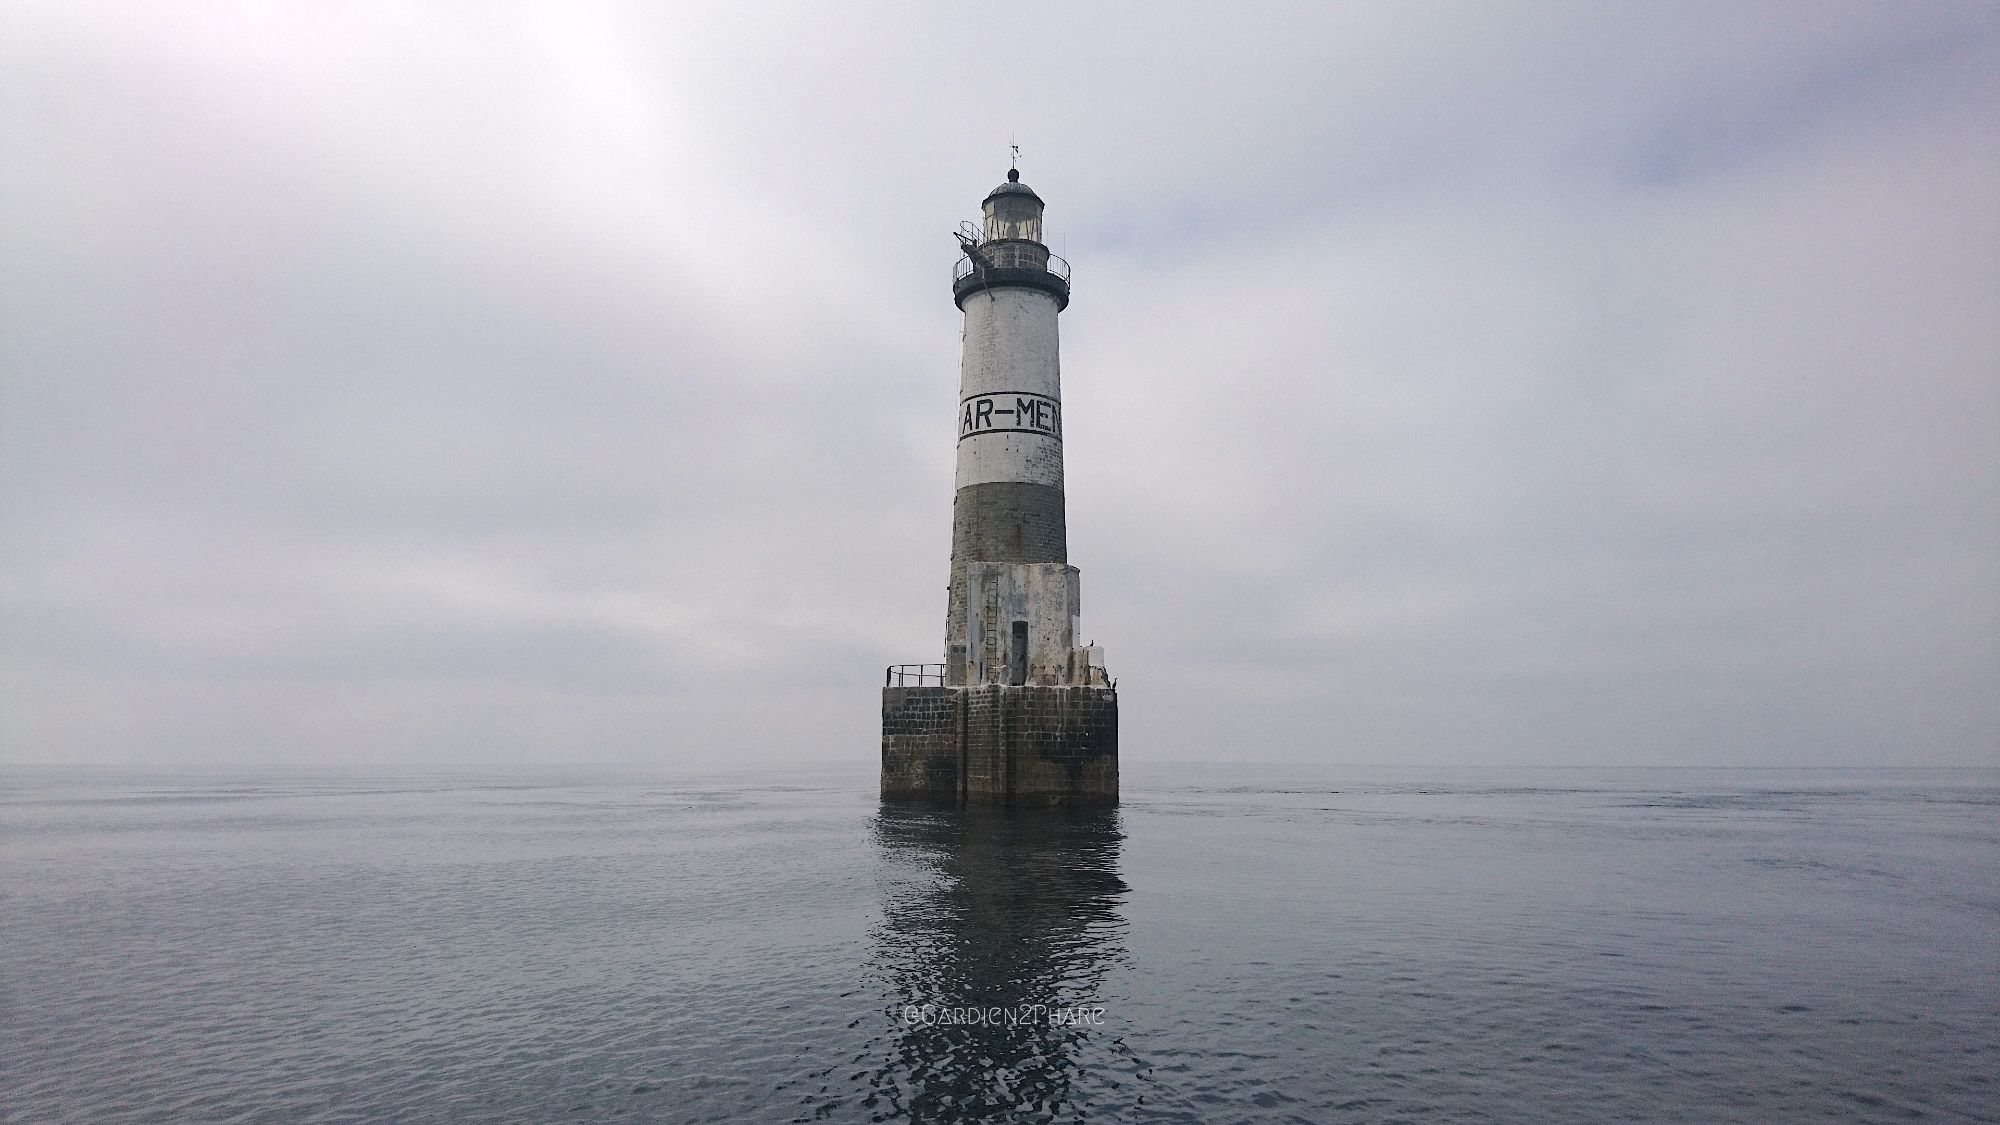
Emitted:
<point x="995" y="745"/>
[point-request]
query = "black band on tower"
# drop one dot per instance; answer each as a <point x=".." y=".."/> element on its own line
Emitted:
<point x="1009" y="522"/>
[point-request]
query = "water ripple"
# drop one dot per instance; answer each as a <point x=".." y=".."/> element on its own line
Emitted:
<point x="1695" y="947"/>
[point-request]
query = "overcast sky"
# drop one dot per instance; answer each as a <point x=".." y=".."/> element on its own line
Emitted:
<point x="1445" y="383"/>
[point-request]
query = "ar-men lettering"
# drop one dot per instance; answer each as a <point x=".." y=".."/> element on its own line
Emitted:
<point x="1010" y="412"/>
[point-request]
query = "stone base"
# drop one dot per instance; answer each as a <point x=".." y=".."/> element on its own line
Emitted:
<point x="1032" y="745"/>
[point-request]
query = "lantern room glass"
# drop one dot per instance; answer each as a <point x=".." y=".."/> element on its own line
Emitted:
<point x="1014" y="215"/>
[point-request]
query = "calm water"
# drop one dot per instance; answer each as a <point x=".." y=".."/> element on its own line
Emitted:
<point x="1292" y="944"/>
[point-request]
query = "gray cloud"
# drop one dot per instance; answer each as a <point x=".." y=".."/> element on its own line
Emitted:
<point x="1456" y="384"/>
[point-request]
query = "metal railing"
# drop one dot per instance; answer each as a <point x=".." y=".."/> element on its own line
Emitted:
<point x="1004" y="256"/>
<point x="914" y="675"/>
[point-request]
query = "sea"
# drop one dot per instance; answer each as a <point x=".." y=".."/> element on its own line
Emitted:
<point x="1233" y="943"/>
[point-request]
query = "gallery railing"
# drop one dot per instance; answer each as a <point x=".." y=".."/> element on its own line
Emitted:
<point x="914" y="675"/>
<point x="1003" y="256"/>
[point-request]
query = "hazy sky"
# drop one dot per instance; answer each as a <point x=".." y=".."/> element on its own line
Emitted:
<point x="1445" y="383"/>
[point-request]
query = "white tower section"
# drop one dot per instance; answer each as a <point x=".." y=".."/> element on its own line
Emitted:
<point x="1010" y="391"/>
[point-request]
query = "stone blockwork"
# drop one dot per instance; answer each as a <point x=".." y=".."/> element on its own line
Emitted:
<point x="1042" y="745"/>
<point x="922" y="728"/>
<point x="1001" y="745"/>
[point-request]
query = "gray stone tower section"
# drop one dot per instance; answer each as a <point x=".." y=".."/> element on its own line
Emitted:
<point x="1017" y="713"/>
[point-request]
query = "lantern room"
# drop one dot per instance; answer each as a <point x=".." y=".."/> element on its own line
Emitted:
<point x="1013" y="212"/>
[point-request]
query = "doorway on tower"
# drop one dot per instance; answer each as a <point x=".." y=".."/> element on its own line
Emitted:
<point x="1018" y="625"/>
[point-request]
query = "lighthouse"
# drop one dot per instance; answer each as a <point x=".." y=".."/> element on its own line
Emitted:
<point x="1018" y="712"/>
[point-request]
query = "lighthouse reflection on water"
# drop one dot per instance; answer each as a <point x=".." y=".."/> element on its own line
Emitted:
<point x="997" y="932"/>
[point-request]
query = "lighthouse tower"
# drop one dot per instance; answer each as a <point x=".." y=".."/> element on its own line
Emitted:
<point x="1018" y="712"/>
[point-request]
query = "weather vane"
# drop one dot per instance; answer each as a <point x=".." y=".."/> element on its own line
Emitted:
<point x="1013" y="161"/>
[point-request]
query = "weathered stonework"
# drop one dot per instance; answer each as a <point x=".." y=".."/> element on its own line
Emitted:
<point x="922" y="728"/>
<point x="1032" y="746"/>
<point x="1001" y="523"/>
<point x="1041" y="745"/>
